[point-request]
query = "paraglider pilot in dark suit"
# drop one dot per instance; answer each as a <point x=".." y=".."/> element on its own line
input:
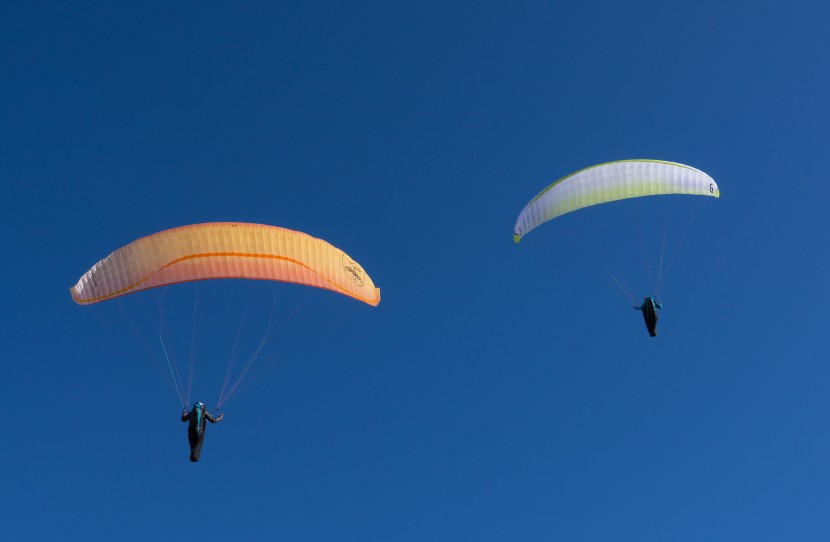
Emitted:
<point x="649" y="309"/>
<point x="196" y="429"/>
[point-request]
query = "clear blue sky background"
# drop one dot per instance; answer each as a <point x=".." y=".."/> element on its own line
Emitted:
<point x="498" y="392"/>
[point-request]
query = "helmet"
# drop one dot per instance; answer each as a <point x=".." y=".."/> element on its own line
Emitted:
<point x="199" y="405"/>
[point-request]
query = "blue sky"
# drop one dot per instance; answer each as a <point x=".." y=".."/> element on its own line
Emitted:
<point x="498" y="392"/>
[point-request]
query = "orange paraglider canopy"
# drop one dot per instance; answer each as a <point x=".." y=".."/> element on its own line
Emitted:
<point x="224" y="250"/>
